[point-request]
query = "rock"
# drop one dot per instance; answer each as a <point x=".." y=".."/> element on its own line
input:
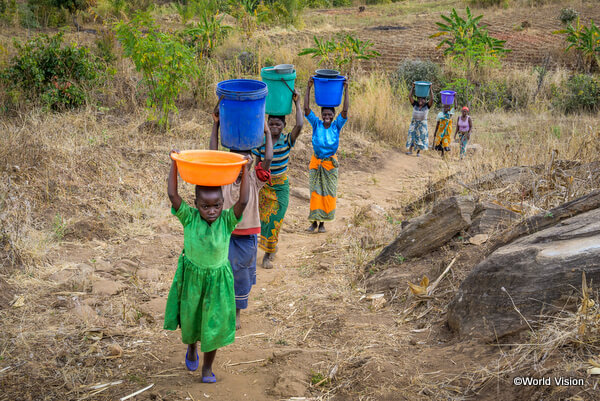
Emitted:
<point x="78" y="277"/>
<point x="479" y="239"/>
<point x="489" y="217"/>
<point x="430" y="231"/>
<point x="125" y="267"/>
<point x="539" y="272"/>
<point x="87" y="314"/>
<point x="149" y="274"/>
<point x="388" y="280"/>
<point x="300" y="193"/>
<point x="156" y="307"/>
<point x="106" y="287"/>
<point x="290" y="383"/>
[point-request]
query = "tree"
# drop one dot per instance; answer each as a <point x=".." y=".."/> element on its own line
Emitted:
<point x="469" y="44"/>
<point x="586" y="40"/>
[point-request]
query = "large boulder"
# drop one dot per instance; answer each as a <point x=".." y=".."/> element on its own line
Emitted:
<point x="430" y="231"/>
<point x="538" y="273"/>
<point x="489" y="218"/>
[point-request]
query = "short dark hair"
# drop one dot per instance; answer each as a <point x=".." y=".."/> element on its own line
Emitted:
<point x="204" y="188"/>
<point x="328" y="108"/>
<point x="282" y="118"/>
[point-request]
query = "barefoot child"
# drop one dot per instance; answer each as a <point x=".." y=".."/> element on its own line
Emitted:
<point x="242" y="246"/>
<point x="275" y="196"/>
<point x="464" y="126"/>
<point x="201" y="300"/>
<point x="323" y="168"/>
<point x="418" y="134"/>
<point x="443" y="130"/>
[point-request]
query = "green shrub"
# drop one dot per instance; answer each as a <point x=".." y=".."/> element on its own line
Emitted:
<point x="567" y="15"/>
<point x="410" y="71"/>
<point x="167" y="65"/>
<point x="580" y="93"/>
<point x="46" y="69"/>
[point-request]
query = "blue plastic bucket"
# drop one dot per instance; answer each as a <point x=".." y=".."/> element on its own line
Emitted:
<point x="328" y="91"/>
<point x="448" y="97"/>
<point x="242" y="113"/>
<point x="422" y="88"/>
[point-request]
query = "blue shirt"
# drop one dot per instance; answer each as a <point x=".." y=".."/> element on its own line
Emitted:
<point x="325" y="141"/>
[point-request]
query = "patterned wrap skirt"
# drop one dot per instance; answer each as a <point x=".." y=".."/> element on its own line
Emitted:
<point x="323" y="178"/>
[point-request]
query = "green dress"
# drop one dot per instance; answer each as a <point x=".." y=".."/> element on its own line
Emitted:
<point x="202" y="300"/>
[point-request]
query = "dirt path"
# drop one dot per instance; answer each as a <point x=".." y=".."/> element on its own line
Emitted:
<point x="102" y="303"/>
<point x="256" y="343"/>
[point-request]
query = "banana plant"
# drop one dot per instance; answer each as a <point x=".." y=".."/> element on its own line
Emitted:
<point x="340" y="53"/>
<point x="586" y="40"/>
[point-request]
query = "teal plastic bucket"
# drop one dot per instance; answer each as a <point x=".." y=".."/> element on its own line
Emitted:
<point x="448" y="97"/>
<point x="422" y="88"/>
<point x="281" y="86"/>
<point x="242" y="113"/>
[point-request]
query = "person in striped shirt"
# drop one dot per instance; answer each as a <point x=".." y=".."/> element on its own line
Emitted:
<point x="275" y="195"/>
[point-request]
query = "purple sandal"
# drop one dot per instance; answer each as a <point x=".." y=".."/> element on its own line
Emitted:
<point x="191" y="365"/>
<point x="209" y="379"/>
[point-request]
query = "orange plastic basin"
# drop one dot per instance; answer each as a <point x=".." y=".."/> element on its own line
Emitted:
<point x="208" y="167"/>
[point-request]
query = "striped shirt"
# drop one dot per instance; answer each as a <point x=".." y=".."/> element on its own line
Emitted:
<point x="281" y="154"/>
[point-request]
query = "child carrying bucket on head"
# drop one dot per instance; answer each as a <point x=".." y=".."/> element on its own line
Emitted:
<point x="464" y="126"/>
<point x="323" y="168"/>
<point x="201" y="299"/>
<point x="275" y="196"/>
<point x="443" y="129"/>
<point x="243" y="242"/>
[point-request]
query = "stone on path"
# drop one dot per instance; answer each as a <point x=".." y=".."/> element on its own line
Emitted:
<point x="430" y="231"/>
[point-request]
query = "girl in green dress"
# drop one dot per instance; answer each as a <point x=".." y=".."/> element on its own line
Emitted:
<point x="201" y="300"/>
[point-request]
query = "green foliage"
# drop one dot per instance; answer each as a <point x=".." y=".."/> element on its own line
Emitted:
<point x="468" y="44"/>
<point x="567" y="15"/>
<point x="341" y="53"/>
<point x="57" y="74"/>
<point x="105" y="46"/>
<point x="465" y="40"/>
<point x="585" y="40"/>
<point x="206" y="35"/>
<point x="166" y="64"/>
<point x="580" y="93"/>
<point x="410" y="71"/>
<point x="192" y="8"/>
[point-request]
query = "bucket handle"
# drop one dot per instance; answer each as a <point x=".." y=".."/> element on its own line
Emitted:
<point x="286" y="84"/>
<point x="216" y="109"/>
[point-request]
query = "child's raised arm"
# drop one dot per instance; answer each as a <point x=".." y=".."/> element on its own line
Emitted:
<point x="430" y="103"/>
<point x="240" y="205"/>
<point x="172" y="185"/>
<point x="346" y="100"/>
<point x="266" y="164"/>
<point x="307" y="96"/>
<point x="299" y="120"/>
<point x="214" y="135"/>
<point x="411" y="95"/>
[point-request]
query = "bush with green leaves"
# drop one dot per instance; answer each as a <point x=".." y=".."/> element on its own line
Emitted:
<point x="167" y="65"/>
<point x="45" y="68"/>
<point x="567" y="15"/>
<point x="410" y="71"/>
<point x="204" y="36"/>
<point x="581" y="93"/>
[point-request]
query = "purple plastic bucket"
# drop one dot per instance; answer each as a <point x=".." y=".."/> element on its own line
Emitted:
<point x="448" y="97"/>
